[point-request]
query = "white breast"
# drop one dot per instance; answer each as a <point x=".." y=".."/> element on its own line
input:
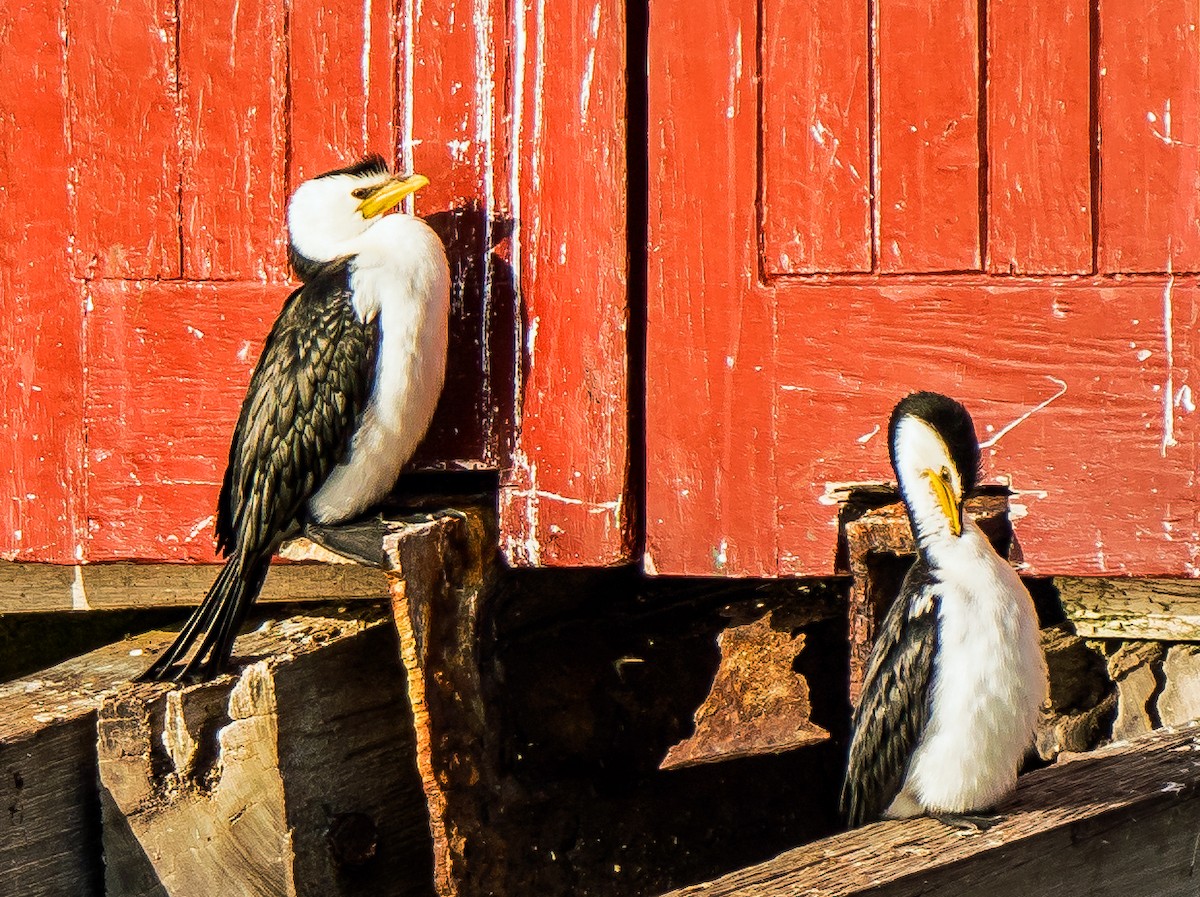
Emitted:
<point x="400" y="274"/>
<point x="989" y="680"/>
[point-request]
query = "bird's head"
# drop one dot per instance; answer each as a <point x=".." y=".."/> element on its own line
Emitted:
<point x="935" y="454"/>
<point x="328" y="213"/>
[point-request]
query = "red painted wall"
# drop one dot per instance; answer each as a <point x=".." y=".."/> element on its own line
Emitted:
<point x="147" y="149"/>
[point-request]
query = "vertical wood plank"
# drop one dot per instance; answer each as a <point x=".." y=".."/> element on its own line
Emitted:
<point x="124" y="138"/>
<point x="1149" y="137"/>
<point x="816" y="193"/>
<point x="453" y="103"/>
<point x="563" y="501"/>
<point x="342" y="79"/>
<point x="169" y="365"/>
<point x="41" y="314"/>
<point x="1039" y="137"/>
<point x="927" y="177"/>
<point x="711" y="503"/>
<point x="232" y="82"/>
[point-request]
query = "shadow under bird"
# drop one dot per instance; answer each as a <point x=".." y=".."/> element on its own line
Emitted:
<point x="956" y="677"/>
<point x="344" y="390"/>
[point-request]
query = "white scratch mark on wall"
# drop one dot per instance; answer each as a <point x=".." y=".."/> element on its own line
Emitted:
<point x="366" y="69"/>
<point x="539" y="80"/>
<point x="485" y="104"/>
<point x="406" y="136"/>
<point x="735" y="75"/>
<point x="1168" y="440"/>
<point x="867" y="437"/>
<point x="589" y="69"/>
<point x="788" y="387"/>
<point x="1008" y="428"/>
<point x="78" y="595"/>
<point x="200" y="525"/>
<point x="520" y="48"/>
<point x="1183" y="399"/>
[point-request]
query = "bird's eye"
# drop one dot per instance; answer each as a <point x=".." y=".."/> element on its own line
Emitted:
<point x="945" y="474"/>
<point x="362" y="192"/>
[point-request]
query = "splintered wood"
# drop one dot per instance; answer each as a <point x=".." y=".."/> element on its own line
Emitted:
<point x="1117" y="822"/>
<point x="295" y="777"/>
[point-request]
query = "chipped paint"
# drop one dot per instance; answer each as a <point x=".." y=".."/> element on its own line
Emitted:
<point x="1168" y="438"/>
<point x="1009" y="427"/>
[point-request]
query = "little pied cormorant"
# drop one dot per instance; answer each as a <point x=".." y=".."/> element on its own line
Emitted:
<point x="342" y="394"/>
<point x="956" y="676"/>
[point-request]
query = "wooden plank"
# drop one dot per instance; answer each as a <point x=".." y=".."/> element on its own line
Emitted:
<point x="563" y="500"/>
<point x="168" y="371"/>
<point x="50" y="830"/>
<point x="41" y="312"/>
<point x="1039" y="137"/>
<point x="232" y="57"/>
<point x="927" y="164"/>
<point x="1159" y="609"/>
<point x="224" y="787"/>
<point x="1083" y="380"/>
<point x="1149" y="137"/>
<point x="816" y="192"/>
<point x="1119" y="821"/>
<point x="710" y="441"/>
<point x="342" y="82"/>
<point x="121" y="70"/>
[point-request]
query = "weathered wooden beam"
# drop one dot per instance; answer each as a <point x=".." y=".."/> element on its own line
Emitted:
<point x="38" y="588"/>
<point x="295" y="776"/>
<point x="49" y="812"/>
<point x="1120" y="821"/>
<point x="1151" y="608"/>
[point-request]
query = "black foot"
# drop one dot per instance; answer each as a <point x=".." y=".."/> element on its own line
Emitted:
<point x="968" y="822"/>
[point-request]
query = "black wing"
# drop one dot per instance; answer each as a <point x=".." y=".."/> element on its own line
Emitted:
<point x="306" y="395"/>
<point x="894" y="706"/>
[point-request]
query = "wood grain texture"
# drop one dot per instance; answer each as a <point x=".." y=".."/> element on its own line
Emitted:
<point x="342" y="61"/>
<point x="816" y="166"/>
<point x="1039" y="137"/>
<point x="232" y="64"/>
<point x="563" y="500"/>
<point x="121" y="70"/>
<point x="170" y="364"/>
<point x="1149" y="108"/>
<point x="41" y="310"/>
<point x="927" y="165"/>
<point x="1158" y="609"/>
<point x="1119" y="821"/>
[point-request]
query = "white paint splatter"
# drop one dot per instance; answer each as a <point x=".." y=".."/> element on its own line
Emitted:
<point x="866" y="437"/>
<point x="1183" y="399"/>
<point x="735" y="75"/>
<point x="1007" y="428"/>
<point x="366" y="69"/>
<point x="1168" y="440"/>
<point x="200" y="525"/>
<point x="589" y="70"/>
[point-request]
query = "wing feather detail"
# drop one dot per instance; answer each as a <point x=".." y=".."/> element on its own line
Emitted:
<point x="306" y="396"/>
<point x="894" y="707"/>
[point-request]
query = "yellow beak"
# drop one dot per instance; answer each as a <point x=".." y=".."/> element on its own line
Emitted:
<point x="390" y="194"/>
<point x="946" y="501"/>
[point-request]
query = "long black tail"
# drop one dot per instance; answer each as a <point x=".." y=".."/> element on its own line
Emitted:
<point x="216" y="621"/>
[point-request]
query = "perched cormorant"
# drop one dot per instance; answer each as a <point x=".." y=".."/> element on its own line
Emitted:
<point x="342" y="394"/>
<point x="952" y="689"/>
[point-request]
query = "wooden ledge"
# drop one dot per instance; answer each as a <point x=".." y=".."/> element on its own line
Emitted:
<point x="1123" y="820"/>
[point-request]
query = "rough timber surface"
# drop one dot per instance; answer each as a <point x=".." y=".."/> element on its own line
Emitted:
<point x="1121" y="821"/>
<point x="292" y="776"/>
<point x="1160" y="609"/>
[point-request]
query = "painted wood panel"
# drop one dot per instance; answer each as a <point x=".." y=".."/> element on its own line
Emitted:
<point x="41" y="432"/>
<point x="121" y="76"/>
<point x="816" y="168"/>
<point x="563" y="499"/>
<point x="1039" y="137"/>
<point x="168" y="368"/>
<point x="1149" y="106"/>
<point x="232" y="61"/>
<point x="927" y="177"/>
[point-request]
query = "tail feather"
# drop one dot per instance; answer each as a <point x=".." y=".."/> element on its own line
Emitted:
<point x="216" y="620"/>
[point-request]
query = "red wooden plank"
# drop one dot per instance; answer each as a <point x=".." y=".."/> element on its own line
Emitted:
<point x="1149" y="137"/>
<point x="168" y="368"/>
<point x="342" y="78"/>
<point x="41" y="312"/>
<point x="232" y="57"/>
<point x="711" y="506"/>
<point x="124" y="138"/>
<point x="1039" y="137"/>
<point x="563" y="501"/>
<point x="816" y="195"/>
<point x="453" y="117"/>
<point x="927" y="83"/>
<point x="1103" y="473"/>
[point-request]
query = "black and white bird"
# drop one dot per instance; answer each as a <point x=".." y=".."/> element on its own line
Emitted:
<point x="342" y="394"/>
<point x="956" y="677"/>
